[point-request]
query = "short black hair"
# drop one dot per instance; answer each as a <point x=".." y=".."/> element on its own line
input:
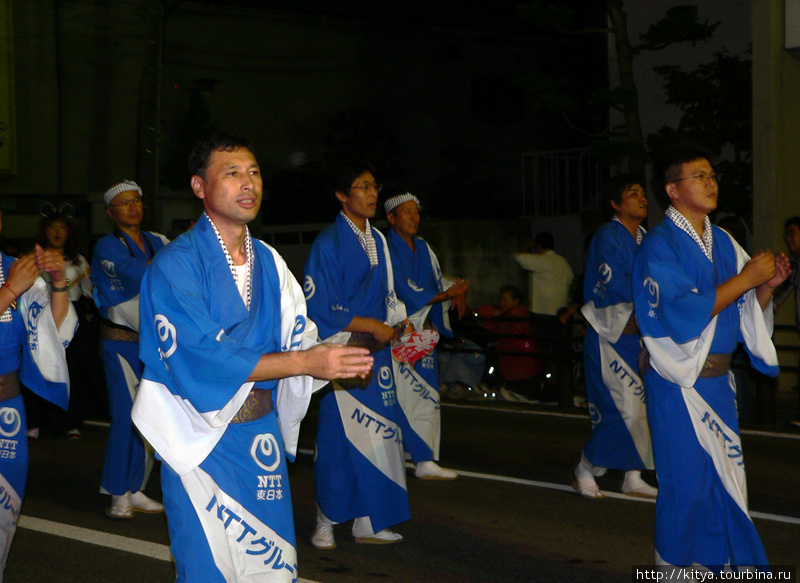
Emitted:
<point x="345" y="173"/>
<point x="615" y="188"/>
<point x="669" y="159"/>
<point x="795" y="220"/>
<point x="513" y="291"/>
<point x="200" y="156"/>
<point x="545" y="240"/>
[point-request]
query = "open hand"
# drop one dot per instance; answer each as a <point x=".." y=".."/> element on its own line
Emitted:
<point x="335" y="361"/>
<point x="782" y="271"/>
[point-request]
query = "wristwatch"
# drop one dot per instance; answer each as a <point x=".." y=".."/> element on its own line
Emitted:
<point x="61" y="289"/>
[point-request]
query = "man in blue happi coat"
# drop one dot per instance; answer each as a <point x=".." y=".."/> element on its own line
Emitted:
<point x="35" y="327"/>
<point x="620" y="435"/>
<point x="696" y="294"/>
<point x="359" y="470"/>
<point x="118" y="265"/>
<point x="428" y="297"/>
<point x="229" y="357"/>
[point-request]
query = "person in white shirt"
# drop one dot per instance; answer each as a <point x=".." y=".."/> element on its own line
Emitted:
<point x="550" y="274"/>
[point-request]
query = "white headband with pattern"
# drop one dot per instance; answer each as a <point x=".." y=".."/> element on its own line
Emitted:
<point x="396" y="201"/>
<point x="119" y="188"/>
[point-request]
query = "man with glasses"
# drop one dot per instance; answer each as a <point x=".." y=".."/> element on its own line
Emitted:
<point x="696" y="293"/>
<point x="118" y="265"/>
<point x="359" y="469"/>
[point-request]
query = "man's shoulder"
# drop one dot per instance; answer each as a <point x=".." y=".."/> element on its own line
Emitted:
<point x="421" y="242"/>
<point x="659" y="239"/>
<point x="658" y="234"/>
<point x="327" y="235"/>
<point x="269" y="253"/>
<point x="560" y="259"/>
<point x="611" y="229"/>
<point x="518" y="311"/>
<point x="107" y="248"/>
<point x="720" y="233"/>
<point x="180" y="251"/>
<point x="157" y="236"/>
<point x="105" y="241"/>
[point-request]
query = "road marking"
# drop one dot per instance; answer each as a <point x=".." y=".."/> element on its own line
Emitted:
<point x="755" y="432"/>
<point x="566" y="488"/>
<point x="95" y="537"/>
<point x="103" y="539"/>
<point x="769" y="434"/>
<point x="511" y="409"/>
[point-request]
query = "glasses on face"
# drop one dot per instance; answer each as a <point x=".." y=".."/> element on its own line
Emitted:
<point x="366" y="187"/>
<point x="130" y="203"/>
<point x="703" y="177"/>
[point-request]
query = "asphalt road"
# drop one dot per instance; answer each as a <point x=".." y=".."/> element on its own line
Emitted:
<point x="510" y="517"/>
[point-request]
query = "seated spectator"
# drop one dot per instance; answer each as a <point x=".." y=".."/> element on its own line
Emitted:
<point x="460" y="370"/>
<point x="522" y="374"/>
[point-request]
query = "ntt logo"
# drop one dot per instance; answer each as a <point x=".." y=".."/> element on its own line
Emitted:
<point x="265" y="452"/>
<point x="605" y="273"/>
<point x="309" y="288"/>
<point x="651" y="289"/>
<point x="109" y="268"/>
<point x="167" y="336"/>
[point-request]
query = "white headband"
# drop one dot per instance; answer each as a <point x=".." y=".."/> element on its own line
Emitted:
<point x="119" y="188"/>
<point x="396" y="201"/>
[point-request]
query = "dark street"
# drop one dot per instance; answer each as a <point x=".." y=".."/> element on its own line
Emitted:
<point x="511" y="516"/>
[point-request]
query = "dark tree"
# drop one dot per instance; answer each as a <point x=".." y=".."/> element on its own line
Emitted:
<point x="716" y="101"/>
<point x="626" y="143"/>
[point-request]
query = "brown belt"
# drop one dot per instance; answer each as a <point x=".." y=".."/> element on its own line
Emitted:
<point x="257" y="405"/>
<point x="9" y="385"/>
<point x="631" y="327"/>
<point x="716" y="365"/>
<point x="365" y="340"/>
<point x="122" y="334"/>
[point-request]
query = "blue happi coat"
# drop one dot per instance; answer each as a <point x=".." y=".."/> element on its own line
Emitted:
<point x="620" y="435"/>
<point x="118" y="265"/>
<point x="701" y="511"/>
<point x="199" y="343"/>
<point x="32" y="346"/>
<point x="417" y="279"/>
<point x="35" y="347"/>
<point x="359" y="468"/>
